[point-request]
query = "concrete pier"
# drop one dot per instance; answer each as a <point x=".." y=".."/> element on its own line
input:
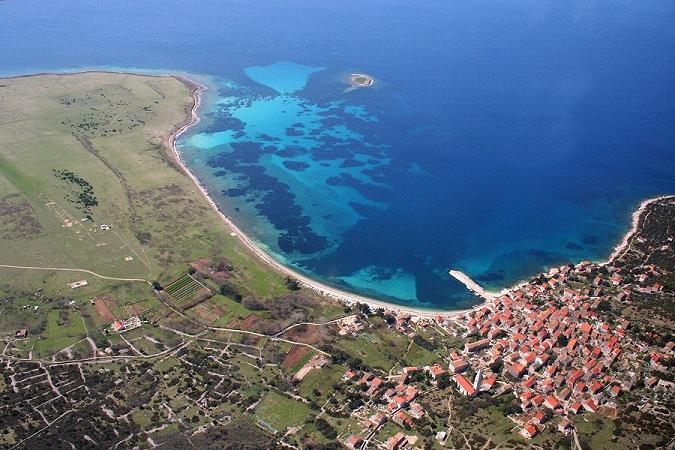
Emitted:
<point x="471" y="285"/>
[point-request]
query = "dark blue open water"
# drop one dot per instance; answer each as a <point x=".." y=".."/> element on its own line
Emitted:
<point x="501" y="137"/>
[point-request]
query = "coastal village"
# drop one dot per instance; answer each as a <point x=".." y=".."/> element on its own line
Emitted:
<point x="548" y="353"/>
<point x="202" y="340"/>
<point x="545" y="342"/>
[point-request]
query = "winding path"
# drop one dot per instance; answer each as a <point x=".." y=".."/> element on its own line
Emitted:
<point x="319" y="324"/>
<point x="61" y="269"/>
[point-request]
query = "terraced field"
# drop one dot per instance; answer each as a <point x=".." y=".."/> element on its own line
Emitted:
<point x="186" y="289"/>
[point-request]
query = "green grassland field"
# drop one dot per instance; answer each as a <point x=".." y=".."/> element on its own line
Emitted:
<point x="83" y="150"/>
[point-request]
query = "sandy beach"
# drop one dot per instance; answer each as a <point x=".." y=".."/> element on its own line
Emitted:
<point x="335" y="293"/>
<point x="192" y="118"/>
<point x="321" y="288"/>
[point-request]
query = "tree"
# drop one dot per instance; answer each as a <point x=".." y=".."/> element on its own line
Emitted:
<point x="562" y="340"/>
<point x="292" y="284"/>
<point x="443" y="380"/>
<point x="363" y="308"/>
<point x="230" y="290"/>
<point x="325" y="428"/>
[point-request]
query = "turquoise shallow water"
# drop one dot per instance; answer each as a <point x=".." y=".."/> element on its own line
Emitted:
<point x="500" y="138"/>
<point x="284" y="77"/>
<point x="336" y="173"/>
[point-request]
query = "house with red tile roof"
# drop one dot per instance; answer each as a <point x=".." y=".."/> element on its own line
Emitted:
<point x="348" y="375"/>
<point x="372" y="391"/>
<point x="403" y="419"/>
<point x="464" y="386"/>
<point x="488" y="382"/>
<point x="538" y="400"/>
<point x="574" y="376"/>
<point x="550" y="371"/>
<point x="596" y="386"/>
<point x="528" y="359"/>
<point x="571" y="344"/>
<point x="410" y="393"/>
<point x="436" y="371"/>
<point x="389" y="394"/>
<point x="376" y="420"/>
<point x="515" y="369"/>
<point x="552" y="402"/>
<point x="585" y="328"/>
<point x="354" y="441"/>
<point x="529" y="431"/>
<point x="416" y="410"/>
<point x="472" y="347"/>
<point x="458" y="365"/>
<point x="531" y="381"/>
<point x="590" y="405"/>
<point x="615" y="390"/>
<point x="118" y="325"/>
<point x="539" y="417"/>
<point x="397" y="441"/>
<point x="543" y="359"/>
<point x="365" y="379"/>
<point x="575" y="407"/>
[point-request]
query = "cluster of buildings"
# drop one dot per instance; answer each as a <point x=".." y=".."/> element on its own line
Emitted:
<point x="397" y="404"/>
<point x="547" y="342"/>
<point x="350" y="325"/>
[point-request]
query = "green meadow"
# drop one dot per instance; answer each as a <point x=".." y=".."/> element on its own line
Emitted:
<point x="281" y="412"/>
<point x="83" y="150"/>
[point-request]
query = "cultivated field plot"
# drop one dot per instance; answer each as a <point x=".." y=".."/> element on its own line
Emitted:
<point x="296" y="358"/>
<point x="104" y="305"/>
<point x="208" y="311"/>
<point x="156" y="314"/>
<point x="141" y="307"/>
<point x="309" y="334"/>
<point x="278" y="412"/>
<point x="187" y="291"/>
<point x="244" y="324"/>
<point x="319" y="382"/>
<point x="64" y="328"/>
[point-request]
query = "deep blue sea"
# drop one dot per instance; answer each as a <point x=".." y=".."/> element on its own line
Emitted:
<point x="501" y="137"/>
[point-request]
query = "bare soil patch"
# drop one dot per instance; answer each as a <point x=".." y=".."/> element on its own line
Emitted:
<point x="247" y="324"/>
<point x="103" y="309"/>
<point x="307" y="334"/>
<point x="294" y="355"/>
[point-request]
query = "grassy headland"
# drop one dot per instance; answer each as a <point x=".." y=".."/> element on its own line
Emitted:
<point x="85" y="150"/>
